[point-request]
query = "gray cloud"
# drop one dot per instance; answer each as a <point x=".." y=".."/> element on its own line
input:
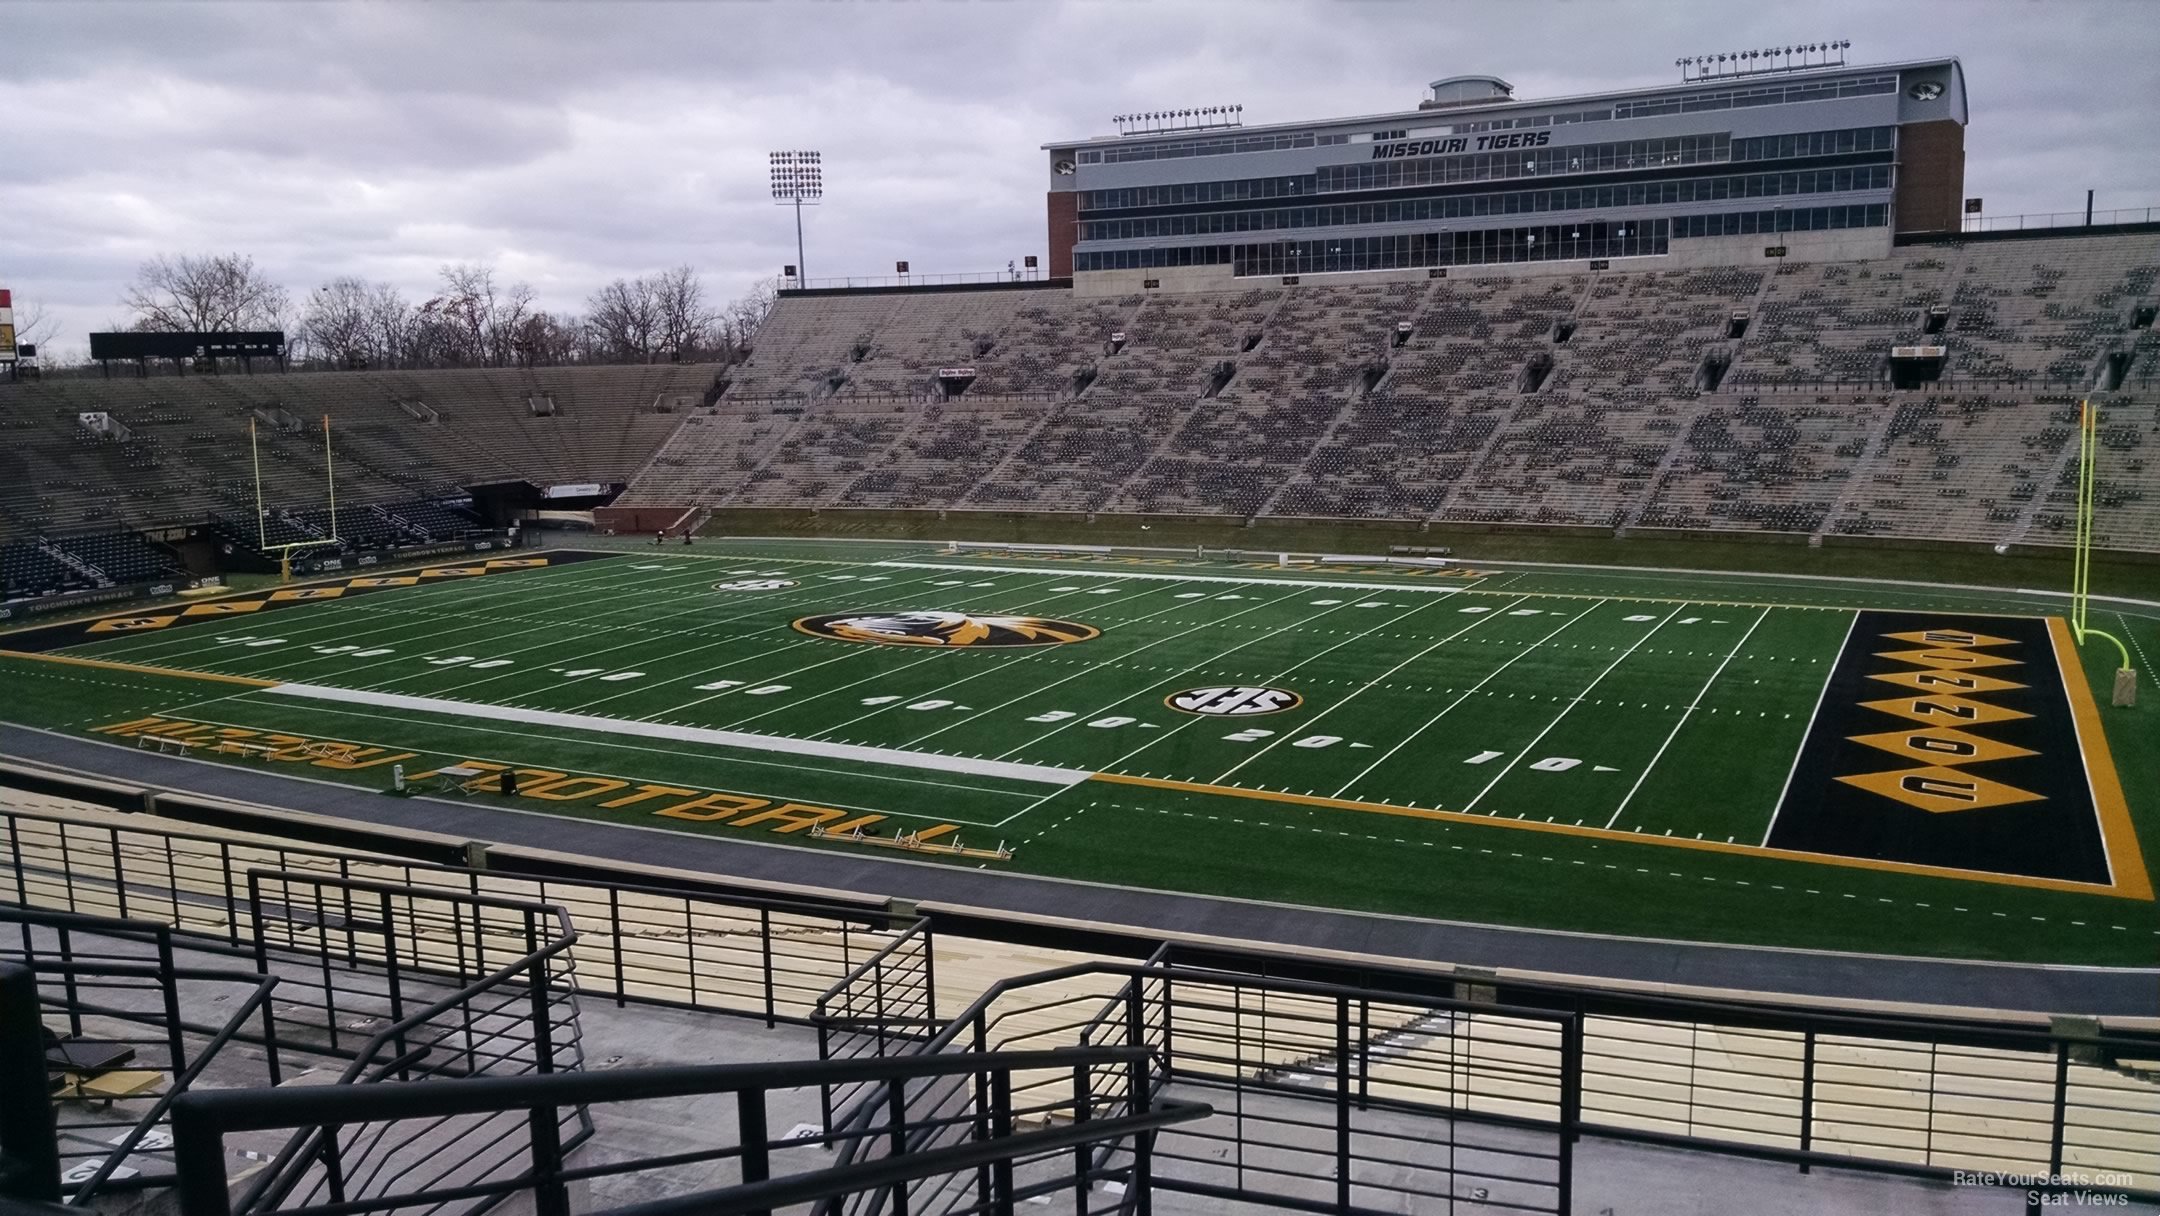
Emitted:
<point x="573" y="143"/>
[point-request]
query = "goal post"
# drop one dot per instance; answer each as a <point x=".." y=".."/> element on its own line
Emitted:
<point x="285" y="551"/>
<point x="2088" y="482"/>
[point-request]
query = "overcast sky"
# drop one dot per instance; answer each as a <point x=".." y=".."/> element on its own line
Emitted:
<point x="571" y="144"/>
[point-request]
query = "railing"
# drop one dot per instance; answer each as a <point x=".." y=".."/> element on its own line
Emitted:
<point x="886" y="1006"/>
<point x="771" y="959"/>
<point x="519" y="1019"/>
<point x="1343" y="1083"/>
<point x="2060" y="219"/>
<point x="1918" y="1097"/>
<point x="1326" y="1108"/>
<point x="115" y="986"/>
<point x="994" y="1162"/>
<point x="368" y="950"/>
<point x="916" y="280"/>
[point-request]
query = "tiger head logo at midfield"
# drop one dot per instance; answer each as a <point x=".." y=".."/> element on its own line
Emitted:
<point x="944" y="629"/>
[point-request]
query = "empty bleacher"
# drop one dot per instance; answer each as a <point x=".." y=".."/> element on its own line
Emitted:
<point x="1730" y="398"/>
<point x="182" y="451"/>
<point x="1723" y="398"/>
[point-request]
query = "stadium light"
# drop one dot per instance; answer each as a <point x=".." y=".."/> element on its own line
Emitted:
<point x="797" y="178"/>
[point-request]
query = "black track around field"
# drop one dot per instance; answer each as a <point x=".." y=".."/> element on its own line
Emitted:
<point x="2093" y="991"/>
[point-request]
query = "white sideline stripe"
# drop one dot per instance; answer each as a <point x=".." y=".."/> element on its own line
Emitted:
<point x="1449" y="587"/>
<point x="1042" y="774"/>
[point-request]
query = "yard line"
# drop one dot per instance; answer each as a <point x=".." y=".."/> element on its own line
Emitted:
<point x="758" y="606"/>
<point x="1034" y="774"/>
<point x="672" y="752"/>
<point x="1466" y="695"/>
<point x="1285" y="672"/>
<point x="594" y="624"/>
<point x="1077" y="719"/>
<point x="672" y="749"/>
<point x="1814" y="716"/>
<point x="1240" y="580"/>
<point x="1692" y="706"/>
<point x="1376" y="680"/>
<point x="342" y="611"/>
<point x="848" y="653"/>
<point x="1467" y="807"/>
<point x="1042" y="653"/>
<point x="1089" y="670"/>
<point x="933" y="653"/>
<point x="397" y="612"/>
<point x="701" y="673"/>
<point x="636" y="614"/>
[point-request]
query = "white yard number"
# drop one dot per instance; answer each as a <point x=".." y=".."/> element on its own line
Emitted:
<point x="1107" y="723"/>
<point x="1252" y="734"/>
<point x="1482" y="757"/>
<point x="932" y="703"/>
<point x="1555" y="764"/>
<point x="1318" y="741"/>
<point x="1055" y="715"/>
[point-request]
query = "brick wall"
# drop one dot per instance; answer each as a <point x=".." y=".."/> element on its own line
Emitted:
<point x="1931" y="176"/>
<point x="1064" y="230"/>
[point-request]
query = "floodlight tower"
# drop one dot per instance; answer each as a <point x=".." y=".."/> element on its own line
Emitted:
<point x="798" y="178"/>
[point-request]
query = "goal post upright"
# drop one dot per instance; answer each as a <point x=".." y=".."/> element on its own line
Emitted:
<point x="284" y="552"/>
<point x="2125" y="691"/>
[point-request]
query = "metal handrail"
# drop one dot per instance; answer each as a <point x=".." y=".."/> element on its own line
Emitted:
<point x="201" y="1120"/>
<point x="183" y="1083"/>
<point x="765" y="1197"/>
<point x="921" y="925"/>
<point x="2040" y="220"/>
<point x="277" y="1174"/>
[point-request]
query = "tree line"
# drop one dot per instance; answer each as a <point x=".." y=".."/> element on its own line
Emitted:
<point x="475" y="318"/>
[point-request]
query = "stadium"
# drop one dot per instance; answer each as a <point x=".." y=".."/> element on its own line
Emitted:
<point x="1357" y="683"/>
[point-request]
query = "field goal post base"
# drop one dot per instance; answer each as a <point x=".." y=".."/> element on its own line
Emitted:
<point x="2125" y="687"/>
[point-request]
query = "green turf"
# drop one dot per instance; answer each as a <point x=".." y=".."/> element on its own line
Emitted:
<point x="1657" y="703"/>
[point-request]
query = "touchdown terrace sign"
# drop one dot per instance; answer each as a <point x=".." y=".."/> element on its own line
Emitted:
<point x="1446" y="147"/>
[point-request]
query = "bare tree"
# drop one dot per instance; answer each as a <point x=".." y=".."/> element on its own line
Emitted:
<point x="392" y="327"/>
<point x="625" y="320"/>
<point x="467" y="307"/>
<point x="740" y="321"/>
<point x="483" y="315"/>
<point x="205" y="293"/>
<point x="338" y="326"/>
<point x="544" y="338"/>
<point x="34" y="324"/>
<point x="686" y="322"/>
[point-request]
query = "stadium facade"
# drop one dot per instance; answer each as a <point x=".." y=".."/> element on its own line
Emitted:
<point x="1828" y="163"/>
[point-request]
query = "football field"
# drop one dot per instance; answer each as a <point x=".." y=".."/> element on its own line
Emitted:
<point x="1725" y="757"/>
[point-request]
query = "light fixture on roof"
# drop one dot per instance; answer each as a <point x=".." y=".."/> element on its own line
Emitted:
<point x="797" y="178"/>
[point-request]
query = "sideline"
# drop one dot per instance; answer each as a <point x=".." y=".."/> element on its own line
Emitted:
<point x="1037" y="774"/>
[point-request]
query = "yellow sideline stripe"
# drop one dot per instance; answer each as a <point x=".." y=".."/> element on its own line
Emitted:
<point x="2115" y="826"/>
<point x="2141" y="891"/>
<point x="111" y="665"/>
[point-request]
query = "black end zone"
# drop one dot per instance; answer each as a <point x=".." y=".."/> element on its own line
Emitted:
<point x="1946" y="740"/>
